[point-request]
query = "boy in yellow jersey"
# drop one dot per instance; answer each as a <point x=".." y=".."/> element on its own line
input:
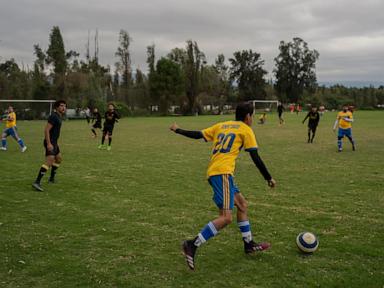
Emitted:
<point x="228" y="139"/>
<point x="344" y="120"/>
<point x="11" y="130"/>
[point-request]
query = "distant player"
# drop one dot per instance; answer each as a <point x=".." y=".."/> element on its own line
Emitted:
<point x="262" y="118"/>
<point x="280" y="110"/>
<point x="314" y="118"/>
<point x="96" y="120"/>
<point x="111" y="117"/>
<point x="11" y="130"/>
<point x="52" y="150"/>
<point x="344" y="120"/>
<point x="228" y="139"/>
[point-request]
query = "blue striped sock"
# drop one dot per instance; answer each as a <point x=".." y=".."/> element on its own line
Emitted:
<point x="21" y="143"/>
<point x="206" y="233"/>
<point x="245" y="229"/>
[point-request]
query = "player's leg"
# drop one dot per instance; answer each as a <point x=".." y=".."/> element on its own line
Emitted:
<point x="313" y="133"/>
<point x="103" y="138"/>
<point x="224" y="201"/>
<point x="245" y="227"/>
<point x="349" y="136"/>
<point x="94" y="131"/>
<point x="4" y="139"/>
<point x="340" y="137"/>
<point x="49" y="160"/>
<point x="17" y="138"/>
<point x="55" y="165"/>
<point x="309" y="134"/>
<point x="109" y="138"/>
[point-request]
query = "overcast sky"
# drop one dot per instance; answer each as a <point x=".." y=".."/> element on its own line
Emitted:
<point x="349" y="34"/>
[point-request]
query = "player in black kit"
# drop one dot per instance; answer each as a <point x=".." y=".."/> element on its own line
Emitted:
<point x="52" y="150"/>
<point x="111" y="117"/>
<point x="314" y="118"/>
<point x="96" y="120"/>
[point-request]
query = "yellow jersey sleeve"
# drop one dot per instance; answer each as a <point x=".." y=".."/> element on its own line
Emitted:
<point x="209" y="133"/>
<point x="250" y="142"/>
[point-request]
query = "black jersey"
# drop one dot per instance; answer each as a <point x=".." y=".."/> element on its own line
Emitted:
<point x="111" y="118"/>
<point x="313" y="118"/>
<point x="280" y="109"/>
<point x="97" y="118"/>
<point x="55" y="120"/>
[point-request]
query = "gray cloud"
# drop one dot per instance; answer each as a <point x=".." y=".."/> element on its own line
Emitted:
<point x="349" y="34"/>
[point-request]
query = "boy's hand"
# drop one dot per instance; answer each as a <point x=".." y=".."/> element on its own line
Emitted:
<point x="272" y="183"/>
<point x="173" y="127"/>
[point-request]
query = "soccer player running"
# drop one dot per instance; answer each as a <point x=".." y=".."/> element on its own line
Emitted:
<point x="111" y="116"/>
<point x="314" y="118"/>
<point x="344" y="120"/>
<point x="96" y="120"/>
<point x="11" y="130"/>
<point x="228" y="138"/>
<point x="280" y="110"/>
<point x="52" y="150"/>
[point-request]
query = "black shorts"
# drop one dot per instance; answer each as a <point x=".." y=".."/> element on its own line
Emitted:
<point x="312" y="127"/>
<point x="97" y="125"/>
<point x="54" y="151"/>
<point x="108" y="129"/>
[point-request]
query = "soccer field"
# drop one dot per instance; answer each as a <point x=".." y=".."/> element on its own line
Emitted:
<point x="117" y="218"/>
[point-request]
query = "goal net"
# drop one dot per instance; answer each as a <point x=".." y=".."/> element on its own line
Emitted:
<point x="261" y="106"/>
<point x="28" y="109"/>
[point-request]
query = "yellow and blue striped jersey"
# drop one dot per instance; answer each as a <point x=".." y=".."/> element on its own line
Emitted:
<point x="228" y="139"/>
<point x="342" y="123"/>
<point x="11" y="123"/>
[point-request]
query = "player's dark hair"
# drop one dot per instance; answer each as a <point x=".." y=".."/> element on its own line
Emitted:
<point x="242" y="109"/>
<point x="58" y="103"/>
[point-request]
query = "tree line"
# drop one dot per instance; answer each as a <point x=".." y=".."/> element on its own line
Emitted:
<point x="180" y="82"/>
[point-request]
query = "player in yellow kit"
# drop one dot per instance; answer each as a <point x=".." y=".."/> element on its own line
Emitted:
<point x="228" y="139"/>
<point x="11" y="130"/>
<point x="344" y="121"/>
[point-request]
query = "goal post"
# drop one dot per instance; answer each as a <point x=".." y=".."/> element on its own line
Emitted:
<point x="11" y="101"/>
<point x="264" y="105"/>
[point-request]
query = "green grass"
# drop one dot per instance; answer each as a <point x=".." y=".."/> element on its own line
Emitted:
<point x="117" y="219"/>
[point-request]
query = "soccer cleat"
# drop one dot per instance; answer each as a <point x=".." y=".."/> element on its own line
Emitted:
<point x="189" y="250"/>
<point x="339" y="150"/>
<point x="51" y="180"/>
<point x="37" y="187"/>
<point x="23" y="149"/>
<point x="253" y="247"/>
<point x="101" y="146"/>
<point x="3" y="148"/>
<point x="109" y="148"/>
<point x="353" y="148"/>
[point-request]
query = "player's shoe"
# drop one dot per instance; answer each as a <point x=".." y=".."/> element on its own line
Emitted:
<point x="37" y="186"/>
<point x="51" y="180"/>
<point x="3" y="148"/>
<point x="109" y="148"/>
<point x="189" y="250"/>
<point x="101" y="146"/>
<point x="340" y="150"/>
<point x="252" y="247"/>
<point x="353" y="148"/>
<point x="23" y="149"/>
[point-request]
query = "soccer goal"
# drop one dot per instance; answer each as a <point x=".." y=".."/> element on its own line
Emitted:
<point x="264" y="105"/>
<point x="28" y="109"/>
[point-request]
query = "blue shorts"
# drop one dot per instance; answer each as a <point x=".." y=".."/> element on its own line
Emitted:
<point x="344" y="132"/>
<point x="11" y="132"/>
<point x="224" y="190"/>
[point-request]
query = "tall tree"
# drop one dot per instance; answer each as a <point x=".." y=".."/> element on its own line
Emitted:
<point x="194" y="61"/>
<point x="124" y="64"/>
<point x="247" y="70"/>
<point x="56" y="56"/>
<point x="167" y="82"/>
<point x="295" y="70"/>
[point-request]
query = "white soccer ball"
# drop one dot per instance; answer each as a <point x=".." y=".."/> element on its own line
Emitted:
<point x="307" y="242"/>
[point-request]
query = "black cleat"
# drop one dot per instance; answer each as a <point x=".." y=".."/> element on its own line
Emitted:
<point x="37" y="187"/>
<point x="353" y="148"/>
<point x="253" y="247"/>
<point x="189" y="250"/>
<point x="51" y="180"/>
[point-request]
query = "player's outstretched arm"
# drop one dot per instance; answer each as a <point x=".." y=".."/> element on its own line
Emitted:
<point x="190" y="134"/>
<point x="261" y="166"/>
